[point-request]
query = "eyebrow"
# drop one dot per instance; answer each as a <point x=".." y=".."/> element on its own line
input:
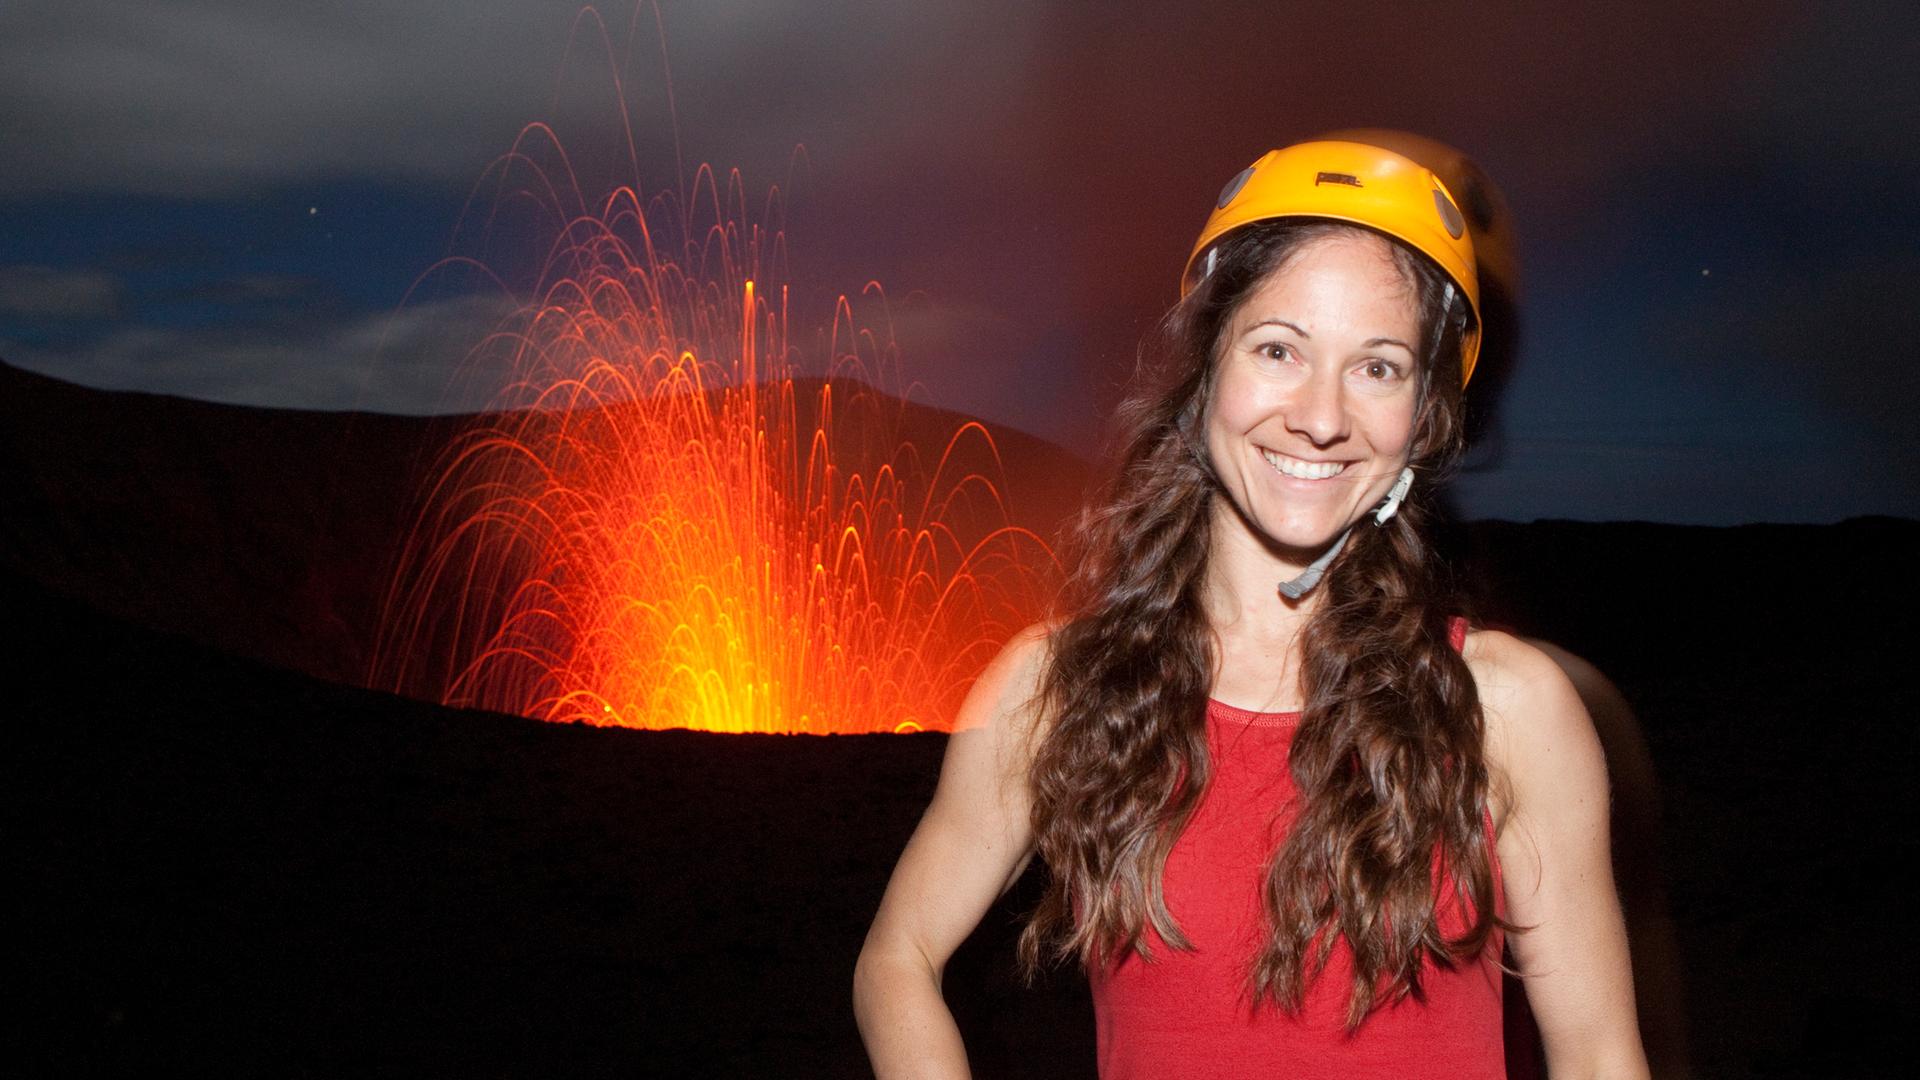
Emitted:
<point x="1281" y="322"/>
<point x="1370" y="343"/>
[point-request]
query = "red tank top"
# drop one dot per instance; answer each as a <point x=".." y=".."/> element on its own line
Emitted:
<point x="1187" y="1014"/>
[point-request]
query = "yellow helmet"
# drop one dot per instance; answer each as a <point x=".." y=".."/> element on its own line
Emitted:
<point x="1356" y="183"/>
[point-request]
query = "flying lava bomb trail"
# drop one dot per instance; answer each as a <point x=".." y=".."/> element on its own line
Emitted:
<point x="662" y="524"/>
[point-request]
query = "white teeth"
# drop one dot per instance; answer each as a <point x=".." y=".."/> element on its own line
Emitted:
<point x="1303" y="470"/>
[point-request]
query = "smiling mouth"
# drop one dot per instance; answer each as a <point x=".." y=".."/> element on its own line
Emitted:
<point x="1302" y="470"/>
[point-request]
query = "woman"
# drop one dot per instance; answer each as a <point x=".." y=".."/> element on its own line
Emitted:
<point x="1286" y="827"/>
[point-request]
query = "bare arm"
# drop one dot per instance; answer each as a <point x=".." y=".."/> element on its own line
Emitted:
<point x="969" y="848"/>
<point x="1556" y="860"/>
<point x="1658" y="986"/>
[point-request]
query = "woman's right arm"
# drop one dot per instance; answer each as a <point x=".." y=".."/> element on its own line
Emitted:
<point x="970" y="847"/>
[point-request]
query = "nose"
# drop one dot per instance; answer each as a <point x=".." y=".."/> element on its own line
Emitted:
<point x="1318" y="411"/>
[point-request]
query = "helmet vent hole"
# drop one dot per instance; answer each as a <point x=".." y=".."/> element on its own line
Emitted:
<point x="1449" y="214"/>
<point x="1233" y="187"/>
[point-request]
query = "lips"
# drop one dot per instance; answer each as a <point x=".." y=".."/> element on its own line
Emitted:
<point x="1301" y="469"/>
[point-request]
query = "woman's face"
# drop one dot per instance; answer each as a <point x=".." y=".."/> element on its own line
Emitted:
<point x="1315" y="397"/>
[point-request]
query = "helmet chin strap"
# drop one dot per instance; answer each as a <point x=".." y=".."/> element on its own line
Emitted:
<point x="1299" y="586"/>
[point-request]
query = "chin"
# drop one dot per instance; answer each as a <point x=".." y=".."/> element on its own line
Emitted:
<point x="1307" y="543"/>
<point x="1306" y="539"/>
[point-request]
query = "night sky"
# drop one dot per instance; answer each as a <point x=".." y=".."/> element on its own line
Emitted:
<point x="1717" y="206"/>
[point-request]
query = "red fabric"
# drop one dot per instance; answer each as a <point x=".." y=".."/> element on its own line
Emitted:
<point x="1186" y="1014"/>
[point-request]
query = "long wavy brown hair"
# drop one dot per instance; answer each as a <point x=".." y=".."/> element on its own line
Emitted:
<point x="1388" y="756"/>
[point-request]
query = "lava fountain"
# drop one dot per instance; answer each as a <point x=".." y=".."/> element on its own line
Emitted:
<point x="661" y="523"/>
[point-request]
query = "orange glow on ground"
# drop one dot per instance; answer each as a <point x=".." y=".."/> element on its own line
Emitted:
<point x="661" y="525"/>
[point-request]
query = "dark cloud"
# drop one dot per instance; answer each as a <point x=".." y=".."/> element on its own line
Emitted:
<point x="201" y="97"/>
<point x="1837" y="336"/>
<point x="1707" y="482"/>
<point x="44" y="292"/>
<point x="420" y="359"/>
<point x="257" y="290"/>
<point x="198" y="97"/>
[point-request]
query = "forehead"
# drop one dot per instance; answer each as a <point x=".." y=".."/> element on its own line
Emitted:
<point x="1349" y="281"/>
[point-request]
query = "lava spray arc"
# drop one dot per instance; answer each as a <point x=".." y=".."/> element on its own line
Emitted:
<point x="661" y="523"/>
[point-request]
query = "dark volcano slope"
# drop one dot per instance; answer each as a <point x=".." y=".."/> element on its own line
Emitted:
<point x="276" y="533"/>
<point x="269" y="533"/>
<point x="1770" y="666"/>
<point x="228" y="869"/>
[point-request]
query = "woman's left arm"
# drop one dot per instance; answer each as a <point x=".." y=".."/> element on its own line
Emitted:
<point x="1556" y="861"/>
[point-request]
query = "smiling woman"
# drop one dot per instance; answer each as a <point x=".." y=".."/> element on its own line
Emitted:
<point x="1289" y="827"/>
<point x="1312" y="414"/>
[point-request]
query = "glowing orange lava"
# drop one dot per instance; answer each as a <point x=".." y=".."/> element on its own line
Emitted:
<point x="661" y="524"/>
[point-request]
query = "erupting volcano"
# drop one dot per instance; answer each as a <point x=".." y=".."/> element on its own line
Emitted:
<point x="660" y="523"/>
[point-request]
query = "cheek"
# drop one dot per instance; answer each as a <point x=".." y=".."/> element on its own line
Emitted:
<point x="1216" y="419"/>
<point x="1237" y="407"/>
<point x="1215" y="436"/>
<point x="1226" y="428"/>
<point x="1394" y="429"/>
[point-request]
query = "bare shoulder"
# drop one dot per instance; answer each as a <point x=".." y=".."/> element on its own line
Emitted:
<point x="1005" y="699"/>
<point x="996" y="734"/>
<point x="1514" y="674"/>
<point x="1603" y="699"/>
<point x="1538" y="729"/>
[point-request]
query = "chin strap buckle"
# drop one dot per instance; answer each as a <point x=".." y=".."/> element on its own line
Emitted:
<point x="1391" y="504"/>
<point x="1308" y="578"/>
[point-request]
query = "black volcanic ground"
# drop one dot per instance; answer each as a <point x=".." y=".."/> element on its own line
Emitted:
<point x="233" y="863"/>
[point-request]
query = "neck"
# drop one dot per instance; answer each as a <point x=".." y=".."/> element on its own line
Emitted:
<point x="1243" y="574"/>
<point x="1257" y="631"/>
